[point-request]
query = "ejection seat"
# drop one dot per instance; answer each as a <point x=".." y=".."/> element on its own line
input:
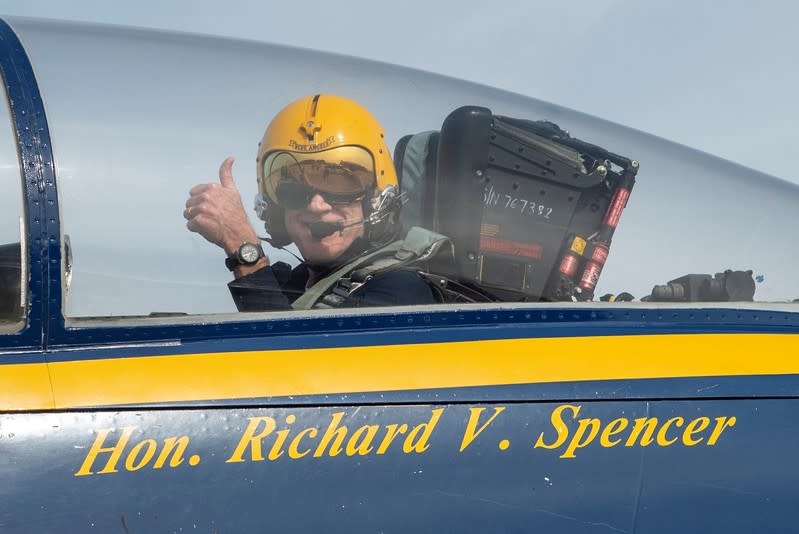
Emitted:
<point x="530" y="210"/>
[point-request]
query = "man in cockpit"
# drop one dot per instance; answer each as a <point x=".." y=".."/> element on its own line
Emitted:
<point x="326" y="183"/>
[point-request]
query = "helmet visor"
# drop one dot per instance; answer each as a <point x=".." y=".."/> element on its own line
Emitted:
<point x="341" y="175"/>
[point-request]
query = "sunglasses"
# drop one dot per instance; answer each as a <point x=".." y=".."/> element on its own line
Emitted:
<point x="294" y="195"/>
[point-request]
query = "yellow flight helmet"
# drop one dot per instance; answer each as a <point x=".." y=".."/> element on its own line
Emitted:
<point x="329" y="145"/>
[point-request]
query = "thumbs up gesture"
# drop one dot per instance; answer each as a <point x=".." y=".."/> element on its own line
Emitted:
<point x="215" y="211"/>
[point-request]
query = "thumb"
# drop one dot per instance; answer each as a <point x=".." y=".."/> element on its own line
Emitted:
<point x="226" y="173"/>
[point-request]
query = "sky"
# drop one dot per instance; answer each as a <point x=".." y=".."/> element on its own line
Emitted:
<point x="720" y="77"/>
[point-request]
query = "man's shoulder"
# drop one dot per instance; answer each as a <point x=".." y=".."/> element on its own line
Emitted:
<point x="396" y="287"/>
<point x="405" y="275"/>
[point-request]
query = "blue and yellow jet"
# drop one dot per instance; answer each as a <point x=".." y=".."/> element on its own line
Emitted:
<point x="133" y="397"/>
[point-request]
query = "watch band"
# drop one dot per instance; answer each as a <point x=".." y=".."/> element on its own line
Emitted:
<point x="231" y="262"/>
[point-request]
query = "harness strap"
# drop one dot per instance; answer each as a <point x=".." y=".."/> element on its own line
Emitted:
<point x="330" y="292"/>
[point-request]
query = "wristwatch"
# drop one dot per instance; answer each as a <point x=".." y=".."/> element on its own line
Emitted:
<point x="247" y="254"/>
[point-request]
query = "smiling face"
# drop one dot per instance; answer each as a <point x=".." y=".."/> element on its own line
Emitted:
<point x="327" y="249"/>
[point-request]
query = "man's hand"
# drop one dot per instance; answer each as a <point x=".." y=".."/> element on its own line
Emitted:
<point x="215" y="212"/>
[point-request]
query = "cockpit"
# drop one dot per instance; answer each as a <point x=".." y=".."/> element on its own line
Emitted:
<point x="541" y="204"/>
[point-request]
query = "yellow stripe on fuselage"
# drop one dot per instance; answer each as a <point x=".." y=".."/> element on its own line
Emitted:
<point x="104" y="382"/>
<point x="25" y="386"/>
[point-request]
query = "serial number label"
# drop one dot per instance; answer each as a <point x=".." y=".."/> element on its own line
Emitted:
<point x="492" y="197"/>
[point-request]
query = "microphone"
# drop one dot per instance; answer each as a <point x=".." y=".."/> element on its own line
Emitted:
<point x="388" y="196"/>
<point x="322" y="229"/>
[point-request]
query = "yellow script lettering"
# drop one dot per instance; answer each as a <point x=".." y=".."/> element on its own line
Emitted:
<point x="559" y="426"/>
<point x="97" y="448"/>
<point x="295" y="443"/>
<point x="721" y="424"/>
<point x="130" y="462"/>
<point x="577" y="442"/>
<point x="426" y="429"/>
<point x="178" y="445"/>
<point x="365" y="446"/>
<point x="650" y="423"/>
<point x="611" y="430"/>
<point x="277" y="448"/>
<point x="695" y="427"/>
<point x="253" y="440"/>
<point x="662" y="440"/>
<point x="391" y="432"/>
<point x="340" y="433"/>
<point x="471" y="426"/>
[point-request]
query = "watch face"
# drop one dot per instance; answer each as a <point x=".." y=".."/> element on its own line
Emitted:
<point x="249" y="253"/>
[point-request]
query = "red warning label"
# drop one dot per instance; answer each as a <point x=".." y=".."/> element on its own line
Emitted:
<point x="616" y="207"/>
<point x="511" y="248"/>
